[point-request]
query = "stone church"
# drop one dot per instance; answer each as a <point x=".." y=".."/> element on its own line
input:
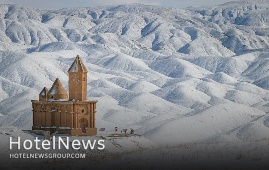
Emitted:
<point x="72" y="113"/>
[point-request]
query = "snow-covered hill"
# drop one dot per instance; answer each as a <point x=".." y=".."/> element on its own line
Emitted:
<point x="184" y="74"/>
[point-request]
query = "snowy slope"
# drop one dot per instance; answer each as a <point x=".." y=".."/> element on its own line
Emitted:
<point x="184" y="74"/>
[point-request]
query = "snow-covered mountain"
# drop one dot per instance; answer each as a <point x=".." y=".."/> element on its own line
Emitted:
<point x="183" y="74"/>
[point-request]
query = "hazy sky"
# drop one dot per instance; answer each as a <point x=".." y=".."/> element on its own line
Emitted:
<point x="58" y="4"/>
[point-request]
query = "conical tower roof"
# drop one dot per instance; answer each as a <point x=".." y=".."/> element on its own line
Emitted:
<point x="77" y="66"/>
<point x="44" y="92"/>
<point x="57" y="88"/>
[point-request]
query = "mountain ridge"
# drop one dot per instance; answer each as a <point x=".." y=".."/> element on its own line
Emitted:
<point x="157" y="66"/>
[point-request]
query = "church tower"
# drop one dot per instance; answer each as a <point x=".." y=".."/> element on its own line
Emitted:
<point x="77" y="82"/>
<point x="43" y="95"/>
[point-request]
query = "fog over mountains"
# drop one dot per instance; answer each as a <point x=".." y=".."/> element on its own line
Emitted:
<point x="195" y="74"/>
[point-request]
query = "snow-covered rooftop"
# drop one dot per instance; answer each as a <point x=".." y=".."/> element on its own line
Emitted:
<point x="57" y="88"/>
<point x="77" y="66"/>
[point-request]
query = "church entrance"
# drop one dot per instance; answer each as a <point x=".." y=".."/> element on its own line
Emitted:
<point x="83" y="124"/>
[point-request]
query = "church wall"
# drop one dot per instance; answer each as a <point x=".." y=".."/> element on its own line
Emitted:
<point x="34" y="115"/>
<point x="91" y="131"/>
<point x="49" y="115"/>
<point x="69" y="119"/>
<point x="63" y="116"/>
<point x="47" y="118"/>
<point x="42" y="98"/>
<point x="43" y="116"/>
<point x="37" y="116"/>
<point x="75" y="118"/>
<point x="84" y="86"/>
<point x="77" y="90"/>
<point x="93" y="113"/>
<point x="91" y="116"/>
<point x="69" y="116"/>
<point x="57" y="118"/>
<point x="72" y="85"/>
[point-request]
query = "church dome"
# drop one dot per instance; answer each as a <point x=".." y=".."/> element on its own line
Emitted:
<point x="57" y="91"/>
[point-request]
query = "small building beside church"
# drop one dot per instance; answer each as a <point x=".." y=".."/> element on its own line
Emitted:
<point x="67" y="113"/>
